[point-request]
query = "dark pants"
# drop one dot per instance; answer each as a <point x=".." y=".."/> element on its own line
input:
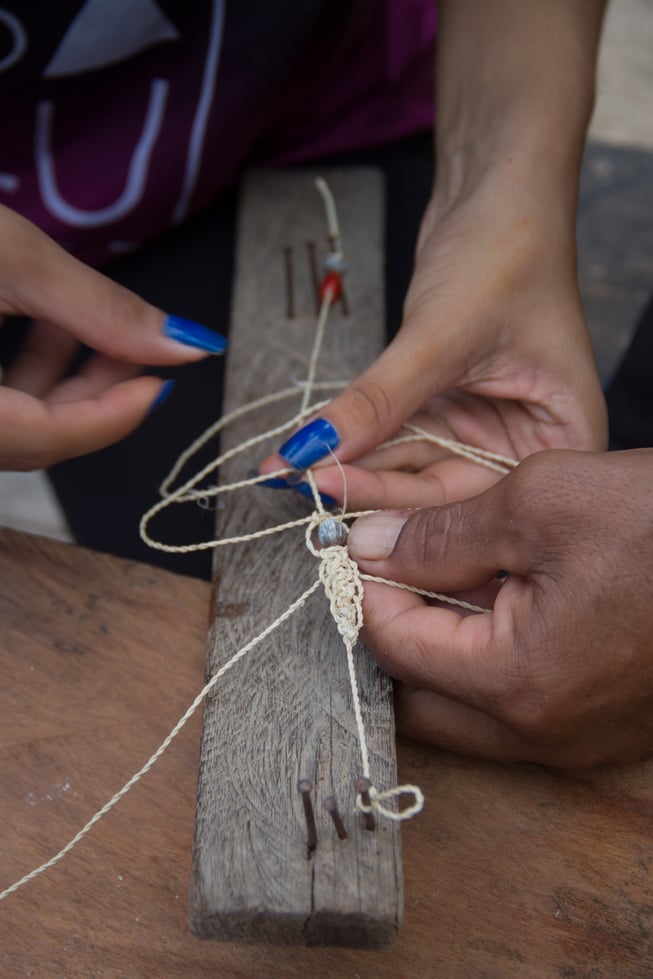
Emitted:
<point x="189" y="272"/>
<point x="630" y="394"/>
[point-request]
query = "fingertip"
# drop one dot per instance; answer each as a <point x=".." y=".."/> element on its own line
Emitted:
<point x="272" y="464"/>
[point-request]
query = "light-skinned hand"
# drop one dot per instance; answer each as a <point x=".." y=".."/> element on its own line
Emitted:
<point x="493" y="351"/>
<point x="45" y="418"/>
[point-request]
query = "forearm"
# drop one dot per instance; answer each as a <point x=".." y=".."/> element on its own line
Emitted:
<point x="515" y="90"/>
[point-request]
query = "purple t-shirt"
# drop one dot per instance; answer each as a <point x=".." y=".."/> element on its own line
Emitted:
<point x="122" y="117"/>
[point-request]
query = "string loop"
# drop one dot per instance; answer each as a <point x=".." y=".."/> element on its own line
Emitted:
<point x="377" y="800"/>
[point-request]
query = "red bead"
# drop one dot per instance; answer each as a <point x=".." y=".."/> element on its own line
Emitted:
<point x="331" y="283"/>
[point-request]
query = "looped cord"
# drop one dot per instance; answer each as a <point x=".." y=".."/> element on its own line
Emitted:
<point x="395" y="815"/>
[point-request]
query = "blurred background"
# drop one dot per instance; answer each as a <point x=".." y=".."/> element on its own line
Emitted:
<point x="615" y="227"/>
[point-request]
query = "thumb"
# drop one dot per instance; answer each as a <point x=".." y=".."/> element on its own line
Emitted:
<point x="41" y="280"/>
<point x="453" y="547"/>
<point x="370" y="409"/>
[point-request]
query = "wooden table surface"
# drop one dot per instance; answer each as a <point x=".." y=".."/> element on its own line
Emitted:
<point x="510" y="871"/>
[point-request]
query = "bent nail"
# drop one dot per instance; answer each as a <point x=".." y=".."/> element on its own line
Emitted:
<point x="310" y="444"/>
<point x="194" y="335"/>
<point x="164" y="393"/>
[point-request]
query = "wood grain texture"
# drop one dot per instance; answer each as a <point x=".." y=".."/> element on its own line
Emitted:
<point x="511" y="871"/>
<point x="286" y="713"/>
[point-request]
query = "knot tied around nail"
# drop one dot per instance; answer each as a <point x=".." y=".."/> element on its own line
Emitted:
<point x="378" y="799"/>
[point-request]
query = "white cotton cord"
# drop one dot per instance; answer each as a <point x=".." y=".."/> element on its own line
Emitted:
<point x="333" y="225"/>
<point x="239" y="484"/>
<point x="222" y="423"/>
<point x="322" y="319"/>
<point x="184" y="494"/>
<point x="114" y="800"/>
<point x="317" y="499"/>
<point x="427" y="594"/>
<point x="342" y="583"/>
<point x="343" y="586"/>
<point x="324" y="385"/>
<point x="491" y="460"/>
<point x="222" y="541"/>
<point x="358" y="713"/>
<point x="377" y="800"/>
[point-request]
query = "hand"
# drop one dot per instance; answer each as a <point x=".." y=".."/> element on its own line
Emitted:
<point x="493" y="349"/>
<point x="561" y="671"/>
<point x="44" y="419"/>
<point x="493" y="326"/>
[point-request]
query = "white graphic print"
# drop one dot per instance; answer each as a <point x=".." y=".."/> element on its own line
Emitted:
<point x="136" y="176"/>
<point x="198" y="132"/>
<point x="107" y="31"/>
<point x="9" y="182"/>
<point x="102" y="34"/>
<point x="18" y="36"/>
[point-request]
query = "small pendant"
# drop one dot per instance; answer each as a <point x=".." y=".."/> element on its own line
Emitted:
<point x="332" y="532"/>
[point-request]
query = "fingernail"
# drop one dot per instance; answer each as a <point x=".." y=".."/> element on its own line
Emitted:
<point x="305" y="490"/>
<point x="275" y="482"/>
<point x="278" y="482"/>
<point x="373" y="538"/>
<point x="194" y="335"/>
<point x="309" y="444"/>
<point x="164" y="393"/>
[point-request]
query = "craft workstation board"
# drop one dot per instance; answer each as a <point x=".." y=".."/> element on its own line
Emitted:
<point x="285" y="713"/>
<point x="511" y="871"/>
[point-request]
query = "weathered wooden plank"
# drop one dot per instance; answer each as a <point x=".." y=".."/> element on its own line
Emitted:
<point x="286" y="712"/>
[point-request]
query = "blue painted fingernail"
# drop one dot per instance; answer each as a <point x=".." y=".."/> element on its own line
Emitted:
<point x="275" y="482"/>
<point x="305" y="490"/>
<point x="194" y="335"/>
<point x="309" y="444"/>
<point x="164" y="393"/>
<point x="278" y="482"/>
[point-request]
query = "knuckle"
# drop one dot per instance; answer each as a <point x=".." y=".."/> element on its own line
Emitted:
<point x="550" y="481"/>
<point x="424" y="536"/>
<point x="124" y="311"/>
<point x="371" y="403"/>
<point x="530" y="694"/>
<point x="534" y="709"/>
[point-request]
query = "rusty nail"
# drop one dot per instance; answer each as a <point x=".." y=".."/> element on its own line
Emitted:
<point x="363" y="788"/>
<point x="331" y="807"/>
<point x="305" y="786"/>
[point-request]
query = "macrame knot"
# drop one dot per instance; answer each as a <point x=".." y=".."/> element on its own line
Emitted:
<point x="342" y="583"/>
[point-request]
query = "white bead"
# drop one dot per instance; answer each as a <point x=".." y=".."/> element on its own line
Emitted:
<point x="335" y="262"/>
<point x="331" y="532"/>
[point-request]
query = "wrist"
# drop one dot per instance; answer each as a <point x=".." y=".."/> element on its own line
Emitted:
<point x="529" y="162"/>
<point x="515" y="91"/>
<point x="506" y="200"/>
